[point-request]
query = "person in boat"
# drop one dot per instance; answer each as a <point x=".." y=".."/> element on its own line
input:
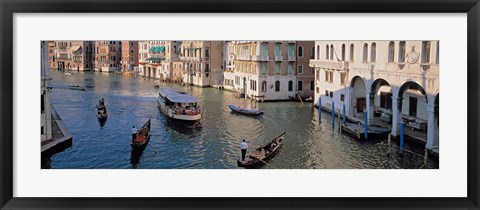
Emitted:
<point x="134" y="133"/>
<point x="243" y="148"/>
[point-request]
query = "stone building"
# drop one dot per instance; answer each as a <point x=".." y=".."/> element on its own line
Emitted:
<point x="203" y="62"/>
<point x="45" y="113"/>
<point x="305" y="75"/>
<point x="265" y="69"/>
<point x="106" y="55"/>
<point x="392" y="80"/>
<point x="129" y="58"/>
<point x="159" y="60"/>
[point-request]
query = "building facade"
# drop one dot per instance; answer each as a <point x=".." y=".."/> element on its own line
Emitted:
<point x="158" y="62"/>
<point x="45" y="113"/>
<point x="129" y="59"/>
<point x="305" y="75"/>
<point x="229" y="64"/>
<point x="106" y="56"/>
<point x="396" y="80"/>
<point x="265" y="69"/>
<point x="203" y="62"/>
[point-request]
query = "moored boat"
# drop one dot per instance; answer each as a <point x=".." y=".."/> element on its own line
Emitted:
<point x="77" y="87"/>
<point x="240" y="110"/>
<point x="179" y="105"/>
<point x="263" y="153"/>
<point x="142" y="137"/>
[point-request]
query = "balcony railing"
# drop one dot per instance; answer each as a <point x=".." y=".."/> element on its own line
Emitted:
<point x="329" y="64"/>
<point x="291" y="58"/>
<point x="278" y="58"/>
<point x="260" y="58"/>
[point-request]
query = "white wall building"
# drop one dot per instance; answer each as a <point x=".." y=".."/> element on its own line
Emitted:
<point x="45" y="114"/>
<point x="397" y="78"/>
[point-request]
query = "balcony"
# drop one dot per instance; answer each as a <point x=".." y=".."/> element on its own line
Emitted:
<point x="342" y="65"/>
<point x="278" y="58"/>
<point x="291" y="58"/>
<point x="244" y="57"/>
<point x="260" y="58"/>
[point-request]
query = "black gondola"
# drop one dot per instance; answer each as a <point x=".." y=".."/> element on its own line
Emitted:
<point x="261" y="154"/>
<point x="102" y="112"/>
<point x="253" y="112"/>
<point x="142" y="137"/>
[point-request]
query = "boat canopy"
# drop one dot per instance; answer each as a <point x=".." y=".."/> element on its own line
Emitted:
<point x="177" y="96"/>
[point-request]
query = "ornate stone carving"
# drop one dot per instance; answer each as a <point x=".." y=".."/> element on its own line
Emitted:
<point x="412" y="56"/>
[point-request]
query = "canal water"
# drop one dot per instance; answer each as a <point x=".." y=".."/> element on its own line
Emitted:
<point x="215" y="143"/>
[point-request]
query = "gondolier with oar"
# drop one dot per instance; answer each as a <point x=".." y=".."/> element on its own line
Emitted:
<point x="243" y="148"/>
<point x="134" y="133"/>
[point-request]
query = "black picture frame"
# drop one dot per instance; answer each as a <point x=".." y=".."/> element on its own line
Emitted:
<point x="9" y="7"/>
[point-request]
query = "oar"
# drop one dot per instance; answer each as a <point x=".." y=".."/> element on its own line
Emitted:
<point x="264" y="162"/>
<point x="152" y="148"/>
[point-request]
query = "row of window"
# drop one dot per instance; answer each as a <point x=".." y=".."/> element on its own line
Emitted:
<point x="253" y="84"/>
<point x="331" y="54"/>
<point x="330" y="94"/>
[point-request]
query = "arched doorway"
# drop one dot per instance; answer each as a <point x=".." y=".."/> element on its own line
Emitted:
<point x="413" y="101"/>
<point x="381" y="100"/>
<point x="358" y="102"/>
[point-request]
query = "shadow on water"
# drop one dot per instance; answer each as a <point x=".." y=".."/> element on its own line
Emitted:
<point x="184" y="127"/>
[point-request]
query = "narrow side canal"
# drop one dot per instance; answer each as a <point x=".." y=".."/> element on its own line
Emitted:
<point x="215" y="145"/>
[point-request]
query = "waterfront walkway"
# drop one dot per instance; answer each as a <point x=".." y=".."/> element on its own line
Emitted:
<point x="60" y="133"/>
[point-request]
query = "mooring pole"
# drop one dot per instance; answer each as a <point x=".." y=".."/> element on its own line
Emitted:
<point x="333" y="114"/>
<point x="344" y="114"/>
<point x="366" y="124"/>
<point x="319" y="109"/>
<point x="401" y="137"/>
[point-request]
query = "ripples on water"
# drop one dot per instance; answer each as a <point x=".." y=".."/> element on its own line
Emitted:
<point x="131" y="101"/>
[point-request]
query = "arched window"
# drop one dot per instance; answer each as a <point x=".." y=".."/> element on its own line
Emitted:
<point x="426" y="52"/>
<point x="352" y="52"/>
<point x="300" y="85"/>
<point x="290" y="85"/>
<point x="331" y="52"/>
<point x="391" y="52"/>
<point x="365" y="52"/>
<point x="327" y="52"/>
<point x="277" y="86"/>
<point x="318" y="52"/>
<point x="264" y="86"/>
<point x="300" y="51"/>
<point x="343" y="52"/>
<point x="373" y="52"/>
<point x="402" y="49"/>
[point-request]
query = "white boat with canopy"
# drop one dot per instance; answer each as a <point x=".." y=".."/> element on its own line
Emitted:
<point x="179" y="105"/>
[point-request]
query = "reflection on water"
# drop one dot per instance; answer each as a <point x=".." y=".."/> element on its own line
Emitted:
<point x="212" y="144"/>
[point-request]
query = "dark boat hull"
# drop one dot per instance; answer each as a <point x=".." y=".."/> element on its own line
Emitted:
<point x="245" y="111"/>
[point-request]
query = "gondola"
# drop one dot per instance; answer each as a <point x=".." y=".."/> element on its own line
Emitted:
<point x="77" y="87"/>
<point x="261" y="154"/>
<point x="102" y="112"/>
<point x="304" y="99"/>
<point x="253" y="112"/>
<point x="142" y="137"/>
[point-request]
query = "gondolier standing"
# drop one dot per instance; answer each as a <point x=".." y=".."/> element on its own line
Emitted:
<point x="243" y="147"/>
<point x="134" y="133"/>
